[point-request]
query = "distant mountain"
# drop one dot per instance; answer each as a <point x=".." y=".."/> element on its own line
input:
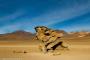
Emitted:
<point x="17" y="35"/>
<point x="83" y="34"/>
<point x="61" y="31"/>
<point x="23" y="35"/>
<point x="78" y="34"/>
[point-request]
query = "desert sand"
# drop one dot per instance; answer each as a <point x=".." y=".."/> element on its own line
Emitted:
<point x="78" y="49"/>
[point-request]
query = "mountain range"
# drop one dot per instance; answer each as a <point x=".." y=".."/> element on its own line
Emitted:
<point x="23" y="35"/>
<point x="17" y="35"/>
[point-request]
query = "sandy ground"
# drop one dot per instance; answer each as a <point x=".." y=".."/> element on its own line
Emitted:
<point x="79" y="49"/>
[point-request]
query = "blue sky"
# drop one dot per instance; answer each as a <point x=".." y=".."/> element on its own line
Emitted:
<point x="68" y="15"/>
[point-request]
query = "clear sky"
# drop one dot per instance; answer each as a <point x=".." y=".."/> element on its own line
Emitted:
<point x="68" y="15"/>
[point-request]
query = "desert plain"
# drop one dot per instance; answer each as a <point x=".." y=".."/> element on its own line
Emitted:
<point x="78" y="49"/>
